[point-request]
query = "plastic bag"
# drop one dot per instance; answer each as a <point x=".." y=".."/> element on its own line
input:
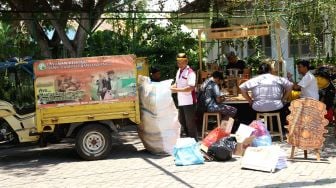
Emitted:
<point x="260" y="129"/>
<point x="265" y="140"/>
<point x="222" y="149"/>
<point x="187" y="152"/>
<point x="214" y="136"/>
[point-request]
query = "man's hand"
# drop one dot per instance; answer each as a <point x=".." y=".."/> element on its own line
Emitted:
<point x="250" y="101"/>
<point x="247" y="96"/>
<point x="220" y="99"/>
<point x="173" y="88"/>
<point x="296" y="87"/>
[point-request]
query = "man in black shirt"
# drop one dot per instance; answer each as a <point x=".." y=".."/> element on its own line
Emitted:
<point x="234" y="63"/>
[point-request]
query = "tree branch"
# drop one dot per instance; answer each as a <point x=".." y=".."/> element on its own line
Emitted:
<point x="33" y="26"/>
<point x="59" y="29"/>
<point x="88" y="24"/>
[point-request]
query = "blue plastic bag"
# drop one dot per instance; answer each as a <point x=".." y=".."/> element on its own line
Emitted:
<point x="265" y="140"/>
<point x="187" y="152"/>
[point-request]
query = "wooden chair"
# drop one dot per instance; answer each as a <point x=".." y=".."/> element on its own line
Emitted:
<point x="206" y="121"/>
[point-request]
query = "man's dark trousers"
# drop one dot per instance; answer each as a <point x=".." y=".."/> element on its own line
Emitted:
<point x="187" y="120"/>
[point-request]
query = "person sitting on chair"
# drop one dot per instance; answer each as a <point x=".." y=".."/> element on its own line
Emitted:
<point x="211" y="98"/>
<point x="268" y="91"/>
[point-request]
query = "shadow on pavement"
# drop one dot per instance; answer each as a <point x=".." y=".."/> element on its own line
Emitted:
<point x="320" y="182"/>
<point x="33" y="160"/>
<point x="168" y="173"/>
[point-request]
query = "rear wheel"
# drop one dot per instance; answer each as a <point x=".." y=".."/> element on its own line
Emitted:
<point x="93" y="142"/>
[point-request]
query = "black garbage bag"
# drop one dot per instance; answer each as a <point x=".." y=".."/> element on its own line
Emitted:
<point x="222" y="149"/>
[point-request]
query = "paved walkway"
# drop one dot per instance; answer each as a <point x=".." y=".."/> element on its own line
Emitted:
<point x="129" y="165"/>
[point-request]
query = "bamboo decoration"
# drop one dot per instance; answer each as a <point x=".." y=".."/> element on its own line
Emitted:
<point x="306" y="125"/>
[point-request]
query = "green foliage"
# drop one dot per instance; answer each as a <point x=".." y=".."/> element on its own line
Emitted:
<point x="306" y="19"/>
<point x="17" y="87"/>
<point x="15" y="42"/>
<point x="158" y="43"/>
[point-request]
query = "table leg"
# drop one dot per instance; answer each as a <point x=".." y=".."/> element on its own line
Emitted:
<point x="305" y="154"/>
<point x="318" y="156"/>
<point x="292" y="152"/>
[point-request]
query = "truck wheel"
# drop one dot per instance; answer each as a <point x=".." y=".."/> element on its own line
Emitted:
<point x="93" y="142"/>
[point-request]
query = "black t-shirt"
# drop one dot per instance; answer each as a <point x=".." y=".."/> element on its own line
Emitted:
<point x="240" y="64"/>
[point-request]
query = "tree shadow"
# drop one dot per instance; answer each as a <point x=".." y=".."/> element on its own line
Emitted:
<point x="34" y="161"/>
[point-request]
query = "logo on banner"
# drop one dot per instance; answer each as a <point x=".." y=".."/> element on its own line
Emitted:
<point x="42" y="66"/>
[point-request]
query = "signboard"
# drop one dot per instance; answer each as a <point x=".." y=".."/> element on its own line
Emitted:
<point x="75" y="81"/>
<point x="306" y="123"/>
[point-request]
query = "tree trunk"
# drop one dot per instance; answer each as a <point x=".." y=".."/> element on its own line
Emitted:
<point x="82" y="33"/>
<point x="37" y="32"/>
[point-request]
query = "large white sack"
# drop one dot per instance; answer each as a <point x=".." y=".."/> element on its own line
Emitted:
<point x="155" y="97"/>
<point x="163" y="122"/>
<point x="159" y="127"/>
<point x="159" y="133"/>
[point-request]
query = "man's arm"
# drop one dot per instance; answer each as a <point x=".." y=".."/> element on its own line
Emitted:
<point x="286" y="94"/>
<point x="184" y="89"/>
<point x="189" y="88"/>
<point x="246" y="96"/>
<point x="296" y="87"/>
<point x="220" y="99"/>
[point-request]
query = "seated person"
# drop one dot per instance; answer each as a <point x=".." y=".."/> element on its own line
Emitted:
<point x="268" y="91"/>
<point x="211" y="97"/>
<point x="155" y="74"/>
<point x="235" y="63"/>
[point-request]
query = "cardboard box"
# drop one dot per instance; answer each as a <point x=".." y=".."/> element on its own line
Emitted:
<point x="227" y="125"/>
<point x="241" y="146"/>
<point x="244" y="139"/>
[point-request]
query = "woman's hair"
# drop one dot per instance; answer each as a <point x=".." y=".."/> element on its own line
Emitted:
<point x="218" y="75"/>
<point x="264" y="68"/>
<point x="304" y="63"/>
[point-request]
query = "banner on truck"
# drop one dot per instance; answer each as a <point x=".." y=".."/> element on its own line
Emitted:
<point x="86" y="80"/>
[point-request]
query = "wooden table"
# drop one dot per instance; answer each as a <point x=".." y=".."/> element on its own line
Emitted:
<point x="245" y="113"/>
<point x="235" y="100"/>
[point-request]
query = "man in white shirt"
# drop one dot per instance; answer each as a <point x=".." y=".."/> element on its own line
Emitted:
<point x="268" y="91"/>
<point x="308" y="84"/>
<point x="186" y="96"/>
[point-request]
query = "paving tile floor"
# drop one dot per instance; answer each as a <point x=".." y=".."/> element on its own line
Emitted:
<point x="130" y="165"/>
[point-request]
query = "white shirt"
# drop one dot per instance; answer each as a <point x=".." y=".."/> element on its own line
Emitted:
<point x="267" y="91"/>
<point x="186" y="78"/>
<point x="309" y="88"/>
